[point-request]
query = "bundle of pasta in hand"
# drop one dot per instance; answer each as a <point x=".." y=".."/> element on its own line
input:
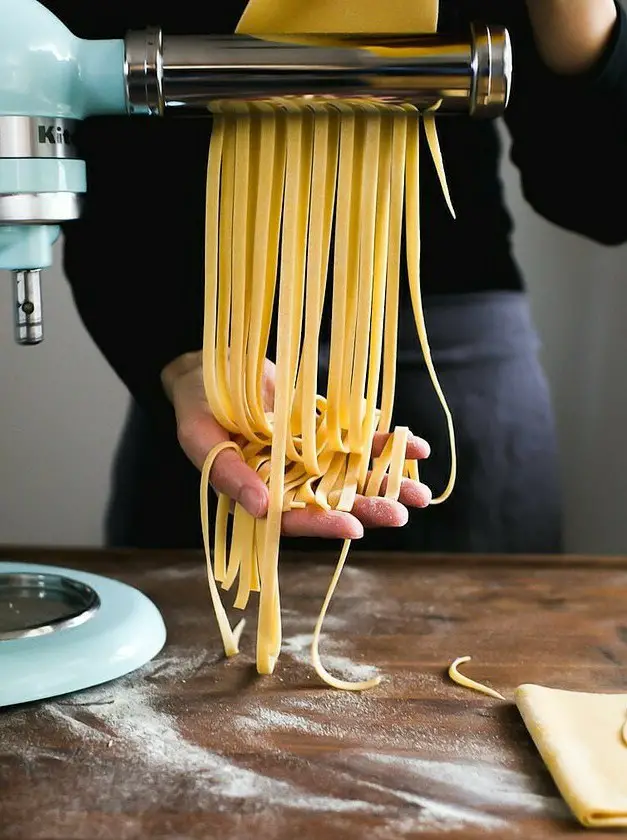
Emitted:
<point x="285" y="180"/>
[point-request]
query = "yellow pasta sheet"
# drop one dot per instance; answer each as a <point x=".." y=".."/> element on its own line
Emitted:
<point x="273" y="17"/>
<point x="580" y="738"/>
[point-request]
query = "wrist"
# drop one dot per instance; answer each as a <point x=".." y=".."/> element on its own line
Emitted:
<point x="177" y="368"/>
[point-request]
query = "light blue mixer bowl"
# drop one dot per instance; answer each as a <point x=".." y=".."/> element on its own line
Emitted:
<point x="117" y="630"/>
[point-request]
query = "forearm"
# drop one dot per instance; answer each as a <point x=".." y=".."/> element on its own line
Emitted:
<point x="571" y="34"/>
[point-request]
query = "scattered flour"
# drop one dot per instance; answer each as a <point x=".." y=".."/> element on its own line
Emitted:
<point x="153" y="738"/>
<point x="178" y="664"/>
<point x="444" y="816"/>
<point x="128" y="718"/>
<point x="263" y="720"/>
<point x="486" y="784"/>
<point x="405" y="794"/>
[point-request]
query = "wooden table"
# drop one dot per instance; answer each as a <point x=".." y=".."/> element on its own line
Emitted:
<point x="193" y="746"/>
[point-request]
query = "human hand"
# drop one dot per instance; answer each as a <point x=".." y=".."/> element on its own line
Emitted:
<point x="198" y="433"/>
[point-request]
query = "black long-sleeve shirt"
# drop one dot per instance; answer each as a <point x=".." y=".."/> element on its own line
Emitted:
<point x="135" y="259"/>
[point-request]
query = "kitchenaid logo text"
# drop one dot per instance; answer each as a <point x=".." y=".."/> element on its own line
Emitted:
<point x="56" y="135"/>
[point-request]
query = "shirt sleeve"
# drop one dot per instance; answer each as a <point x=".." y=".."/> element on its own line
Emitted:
<point x="569" y="135"/>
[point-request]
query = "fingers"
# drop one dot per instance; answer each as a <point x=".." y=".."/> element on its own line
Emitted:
<point x="367" y="512"/>
<point x="198" y="433"/>
<point x="417" y="448"/>
<point x="413" y="493"/>
<point x="231" y="476"/>
<point x="315" y="522"/>
<point x="375" y="512"/>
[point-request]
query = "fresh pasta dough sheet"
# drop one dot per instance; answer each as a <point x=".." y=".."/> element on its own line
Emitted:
<point x="580" y="737"/>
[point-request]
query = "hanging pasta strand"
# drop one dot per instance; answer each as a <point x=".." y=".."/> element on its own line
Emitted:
<point x="381" y="240"/>
<point x="397" y="197"/>
<point x="271" y="180"/>
<point x="323" y="181"/>
<point x="346" y="201"/>
<point x="412" y="227"/>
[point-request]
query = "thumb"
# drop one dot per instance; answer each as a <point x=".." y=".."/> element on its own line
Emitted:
<point x="198" y="433"/>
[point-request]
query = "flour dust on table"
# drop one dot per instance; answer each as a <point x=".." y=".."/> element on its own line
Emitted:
<point x="240" y="750"/>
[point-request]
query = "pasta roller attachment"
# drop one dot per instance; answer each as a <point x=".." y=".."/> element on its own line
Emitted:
<point x="465" y="74"/>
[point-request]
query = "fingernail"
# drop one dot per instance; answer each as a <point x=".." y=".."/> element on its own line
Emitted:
<point x="417" y="440"/>
<point x="252" y="501"/>
<point x="359" y="531"/>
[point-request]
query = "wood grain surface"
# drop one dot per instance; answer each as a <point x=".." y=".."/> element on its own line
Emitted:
<point x="193" y="746"/>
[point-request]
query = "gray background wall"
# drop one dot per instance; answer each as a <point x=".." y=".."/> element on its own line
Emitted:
<point x="62" y="407"/>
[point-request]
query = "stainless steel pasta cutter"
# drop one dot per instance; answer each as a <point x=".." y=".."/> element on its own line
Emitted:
<point x="50" y="80"/>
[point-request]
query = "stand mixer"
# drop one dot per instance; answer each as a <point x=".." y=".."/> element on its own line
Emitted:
<point x="50" y="79"/>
